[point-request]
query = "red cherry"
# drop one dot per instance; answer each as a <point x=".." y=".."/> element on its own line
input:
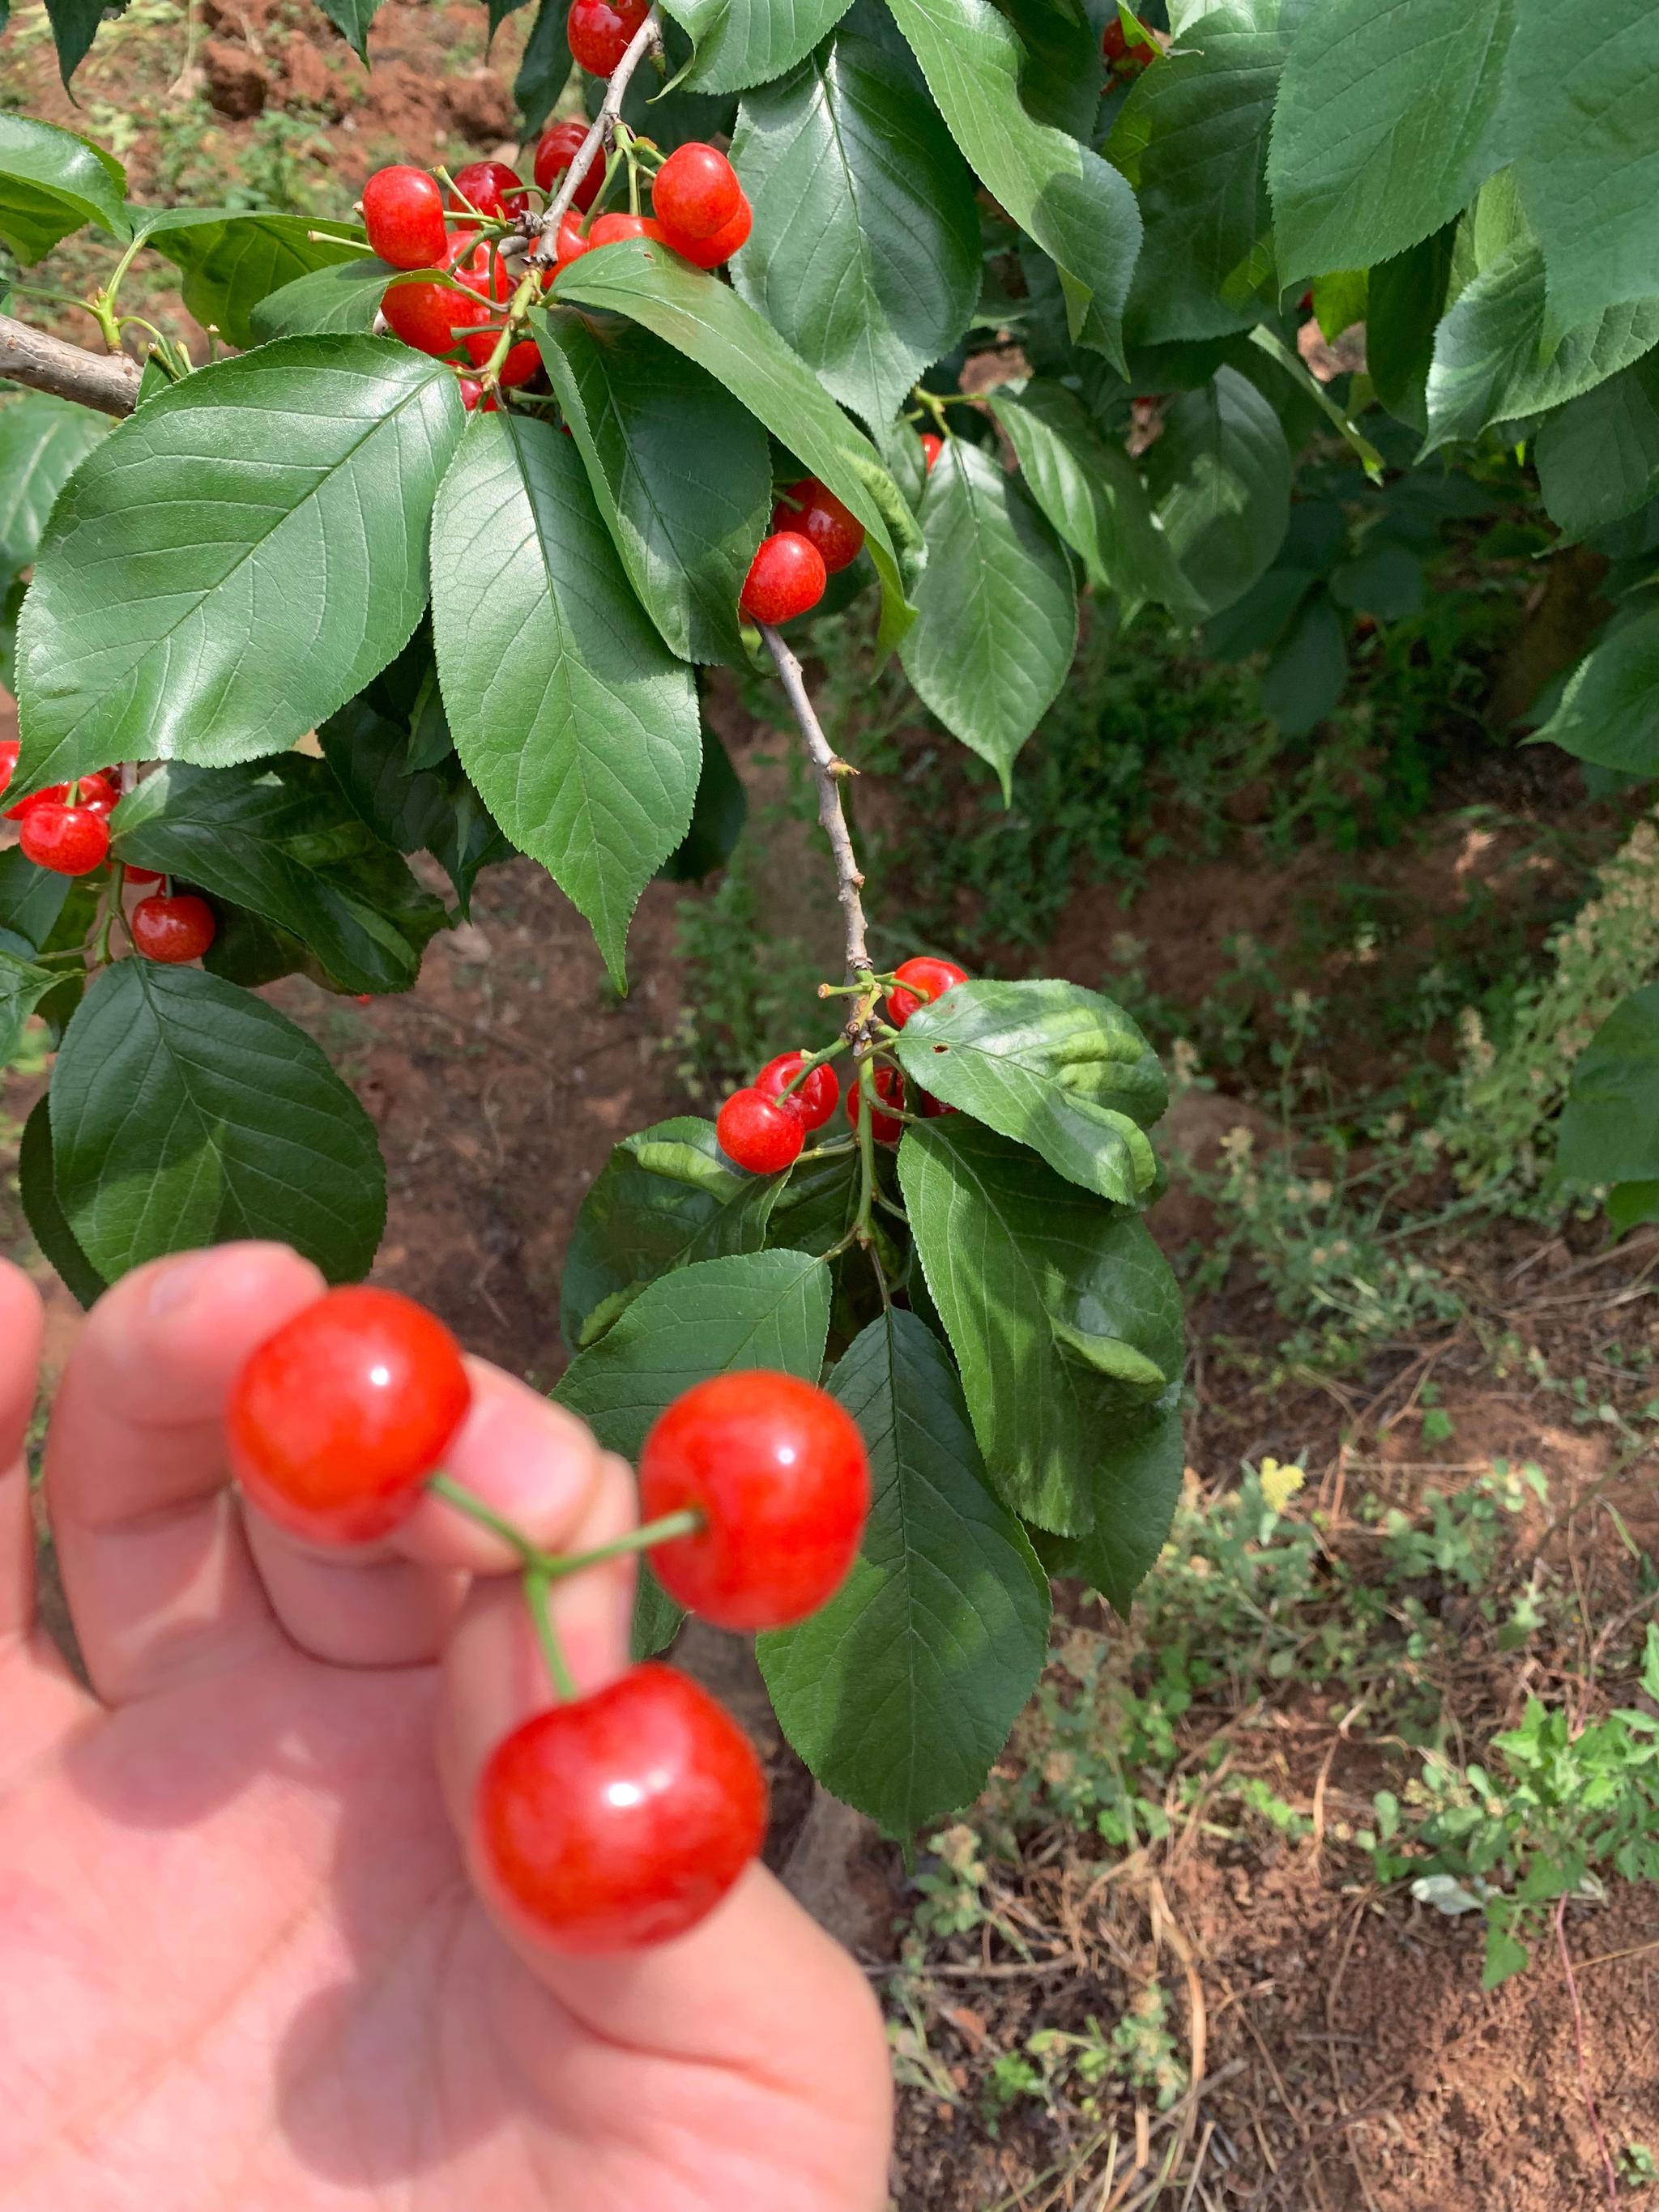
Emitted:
<point x="696" y="191"/>
<point x="758" y="1134"/>
<point x="815" y="1101"/>
<point x="779" y="1471"/>
<point x="94" y="791"/>
<point x="607" y="230"/>
<point x="787" y="577"/>
<point x="427" y="316"/>
<point x="931" y="446"/>
<point x="9" y="749"/>
<point x="403" y="216"/>
<point x="599" y="33"/>
<point x="1304" y="304"/>
<point x="570" y="245"/>
<point x="521" y="363"/>
<point x="555" y="152"/>
<point x="814" y="510"/>
<point x="886" y="1128"/>
<point x="1116" y="46"/>
<point x="928" y="979"/>
<point x="710" y="252"/>
<point x="335" y="1422"/>
<point x="621" y="1819"/>
<point x="70" y="841"/>
<point x="488" y="188"/>
<point x="142" y="875"/>
<point x="481" y="268"/>
<point x="175" y="929"/>
<point x="931" y="1107"/>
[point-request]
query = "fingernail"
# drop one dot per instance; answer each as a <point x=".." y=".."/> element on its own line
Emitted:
<point x="177" y="1280"/>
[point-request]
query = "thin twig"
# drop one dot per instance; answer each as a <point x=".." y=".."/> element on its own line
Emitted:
<point x="107" y="381"/>
<point x="545" y="225"/>
<point x="1578" y="2050"/>
<point x="827" y="772"/>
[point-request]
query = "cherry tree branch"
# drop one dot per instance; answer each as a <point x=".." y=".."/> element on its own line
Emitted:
<point x="107" y="381"/>
<point x="545" y="225"/>
<point x="828" y="771"/>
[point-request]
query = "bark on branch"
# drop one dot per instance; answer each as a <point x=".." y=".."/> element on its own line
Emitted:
<point x="827" y="772"/>
<point x="545" y="225"/>
<point x="107" y="381"/>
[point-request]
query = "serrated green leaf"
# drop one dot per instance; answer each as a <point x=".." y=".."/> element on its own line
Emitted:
<point x="545" y="69"/>
<point x="1059" y="79"/>
<point x="32" y="900"/>
<point x="1141" y="1457"/>
<point x="75" y="26"/>
<point x="707" y="322"/>
<point x="1610" y="1123"/>
<point x="744" y="42"/>
<point x="1405" y="298"/>
<point x="352" y="18"/>
<point x="42" y="442"/>
<point x="1008" y="1250"/>
<point x="52" y="183"/>
<point x="1220" y="475"/>
<point x="1051" y="1065"/>
<point x="38" y="1189"/>
<point x="1305" y="677"/>
<point x="1385" y="126"/>
<point x="434" y="809"/>
<point x="346" y="295"/>
<point x="1609" y="711"/>
<point x="717" y="816"/>
<point x="1075" y="205"/>
<point x="281" y="840"/>
<point x="230" y="261"/>
<point x="900" y="1691"/>
<point x="1598" y="458"/>
<point x="817" y="1204"/>
<point x="23" y="987"/>
<point x="665" y="1199"/>
<point x="576" y="724"/>
<point x="996" y="608"/>
<point x="866" y="248"/>
<point x="236" y="560"/>
<point x="681" y="471"/>
<point x="185" y="1112"/>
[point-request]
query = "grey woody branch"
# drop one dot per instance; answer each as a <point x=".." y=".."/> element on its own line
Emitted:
<point x="107" y="381"/>
<point x="647" y="39"/>
<point x="827" y="773"/>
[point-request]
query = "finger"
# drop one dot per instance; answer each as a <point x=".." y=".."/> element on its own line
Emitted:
<point x="155" y="1566"/>
<point x="22" y="1324"/>
<point x="527" y="1461"/>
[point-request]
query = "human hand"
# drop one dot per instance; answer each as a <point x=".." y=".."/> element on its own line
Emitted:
<point x="243" y="1965"/>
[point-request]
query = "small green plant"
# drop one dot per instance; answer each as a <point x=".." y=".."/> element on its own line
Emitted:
<point x="1055" y="2067"/>
<point x="1638" y="2166"/>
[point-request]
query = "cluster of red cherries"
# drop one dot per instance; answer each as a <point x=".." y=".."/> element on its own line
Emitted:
<point x="65" y="828"/>
<point x="617" y="1819"/>
<point x="813" y="536"/>
<point x="763" y="1127"/>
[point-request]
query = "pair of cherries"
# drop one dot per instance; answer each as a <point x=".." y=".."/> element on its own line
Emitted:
<point x="813" y="537"/>
<point x="763" y="1127"/>
<point x="618" y="1819"/>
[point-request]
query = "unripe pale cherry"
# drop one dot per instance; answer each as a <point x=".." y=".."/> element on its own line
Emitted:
<point x="787" y="577"/>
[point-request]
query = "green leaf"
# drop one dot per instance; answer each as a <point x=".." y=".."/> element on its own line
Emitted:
<point x="1583" y="115"/>
<point x="38" y="1189"/>
<point x="1610" y="1123"/>
<point x="352" y="18"/>
<point x="1060" y="1309"/>
<point x="1220" y="476"/>
<point x="1139" y="1459"/>
<point x="235" y="560"/>
<point x="1494" y="361"/>
<point x="1631" y="1204"/>
<point x="1055" y="1067"/>
<point x="681" y="472"/>
<point x="1075" y="205"/>
<point x="717" y="818"/>
<point x="435" y="808"/>
<point x="1340" y="302"/>
<point x="1385" y="126"/>
<point x="1385" y="581"/>
<point x="75" y="26"/>
<point x="1609" y="711"/>
<point x="23" y="987"/>
<point x="1092" y="494"/>
<point x="1191" y="139"/>
<point x="996" y="608"/>
<point x="817" y="1204"/>
<point x="1505" y="1955"/>
<point x="744" y="42"/>
<point x="231" y="261"/>
<point x="570" y="716"/>
<point x="545" y="69"/>
<point x="1405" y="298"/>
<point x="42" y="442"/>
<point x="281" y="840"/>
<point x="1255" y="621"/>
<point x="1305" y="677"/>
<point x="866" y="248"/>
<point x="665" y="1198"/>
<point x="346" y="295"/>
<point x="185" y="1112"/>
<point x="900" y="1693"/>
<point x="706" y="320"/>
<point x="32" y="900"/>
<point x="52" y="183"/>
<point x="1598" y="458"/>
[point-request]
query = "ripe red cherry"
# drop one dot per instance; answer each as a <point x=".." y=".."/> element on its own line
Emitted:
<point x="426" y="316"/>
<point x="1115" y="45"/>
<point x="488" y="188"/>
<point x="814" y="510"/>
<point x="173" y="929"/>
<point x="521" y="363"/>
<point x="94" y="791"/>
<point x="620" y="1819"/>
<point x="142" y="875"/>
<point x="931" y="446"/>
<point x="928" y="979"/>
<point x="607" y="230"/>
<point x="696" y="191"/>
<point x="787" y="577"/>
<point x="556" y="150"/>
<point x="815" y="1101"/>
<point x="473" y="395"/>
<point x="570" y="245"/>
<point x="710" y="252"/>
<point x="335" y="1422"/>
<point x="600" y="34"/>
<point x="779" y="1471"/>
<point x="758" y="1134"/>
<point x="482" y="269"/>
<point x="886" y="1128"/>
<point x="9" y="749"/>
<point x="403" y="216"/>
<point x="70" y="841"/>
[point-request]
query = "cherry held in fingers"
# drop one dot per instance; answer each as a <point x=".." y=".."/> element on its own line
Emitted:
<point x="336" y="1421"/>
<point x="404" y="217"/>
<point x="758" y="1132"/>
<point x="814" y="1102"/>
<point x="886" y="1128"/>
<point x="174" y="930"/>
<point x="779" y="1471"/>
<point x="814" y="510"/>
<point x="696" y="191"/>
<point x="619" y="1820"/>
<point x="787" y="577"/>
<point x="599" y="34"/>
<point x="555" y="152"/>
<point x="928" y="979"/>
<point x="70" y="841"/>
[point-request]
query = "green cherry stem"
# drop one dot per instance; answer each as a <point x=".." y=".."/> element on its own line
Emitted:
<point x="813" y="1059"/>
<point x="465" y="1501"/>
<point x="686" y="1523"/>
<point x="536" y="1583"/>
